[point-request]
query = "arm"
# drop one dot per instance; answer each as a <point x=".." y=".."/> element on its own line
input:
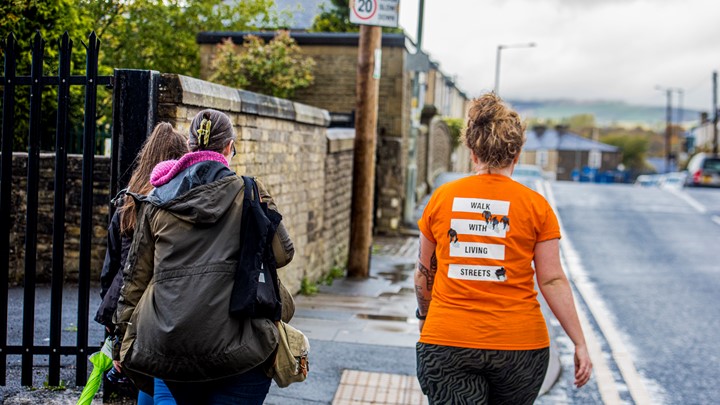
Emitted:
<point x="282" y="244"/>
<point x="137" y="273"/>
<point x="425" y="276"/>
<point x="111" y="266"/>
<point x="555" y="288"/>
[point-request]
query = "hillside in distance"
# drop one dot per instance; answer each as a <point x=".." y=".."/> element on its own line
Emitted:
<point x="607" y="113"/>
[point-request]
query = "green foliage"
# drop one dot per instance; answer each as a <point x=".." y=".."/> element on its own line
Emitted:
<point x="161" y="35"/>
<point x="61" y="387"/>
<point x="336" y="18"/>
<point x="51" y="19"/>
<point x="138" y="34"/>
<point x="634" y="148"/>
<point x="307" y="287"/>
<point x="276" y="68"/>
<point x="456" y="126"/>
<point x="335" y="272"/>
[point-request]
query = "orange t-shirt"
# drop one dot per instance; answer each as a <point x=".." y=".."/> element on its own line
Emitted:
<point x="485" y="228"/>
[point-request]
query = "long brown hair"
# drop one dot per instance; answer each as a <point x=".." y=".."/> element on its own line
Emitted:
<point x="163" y="144"/>
<point x="494" y="132"/>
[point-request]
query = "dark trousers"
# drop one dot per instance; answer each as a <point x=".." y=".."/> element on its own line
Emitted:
<point x="455" y="375"/>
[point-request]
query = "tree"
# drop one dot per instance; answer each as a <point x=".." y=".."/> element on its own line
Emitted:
<point x="276" y="68"/>
<point x="634" y="149"/>
<point x="51" y="19"/>
<point x="161" y="34"/>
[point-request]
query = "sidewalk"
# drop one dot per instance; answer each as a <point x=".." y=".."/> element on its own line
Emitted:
<point x="363" y="334"/>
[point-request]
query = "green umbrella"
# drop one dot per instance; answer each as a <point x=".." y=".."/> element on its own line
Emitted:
<point x="102" y="362"/>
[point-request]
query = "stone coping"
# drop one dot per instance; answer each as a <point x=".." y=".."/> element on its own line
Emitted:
<point x="340" y="139"/>
<point x="201" y="93"/>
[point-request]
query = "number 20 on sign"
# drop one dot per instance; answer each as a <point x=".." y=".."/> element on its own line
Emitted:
<point x="383" y="13"/>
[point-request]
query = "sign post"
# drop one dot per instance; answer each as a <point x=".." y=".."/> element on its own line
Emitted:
<point x="371" y="15"/>
<point x="383" y="13"/>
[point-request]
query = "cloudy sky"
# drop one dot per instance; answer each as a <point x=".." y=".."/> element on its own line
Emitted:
<point x="586" y="49"/>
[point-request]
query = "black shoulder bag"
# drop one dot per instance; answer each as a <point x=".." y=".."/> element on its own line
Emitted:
<point x="255" y="292"/>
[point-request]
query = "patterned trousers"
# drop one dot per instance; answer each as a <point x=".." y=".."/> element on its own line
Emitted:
<point x="455" y="375"/>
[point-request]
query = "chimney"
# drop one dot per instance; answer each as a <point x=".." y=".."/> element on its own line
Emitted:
<point x="539" y="130"/>
<point x="561" y="129"/>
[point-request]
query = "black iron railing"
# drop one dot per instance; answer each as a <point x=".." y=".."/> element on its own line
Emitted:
<point x="37" y="81"/>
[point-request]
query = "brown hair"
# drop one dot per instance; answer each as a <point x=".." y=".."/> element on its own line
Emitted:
<point x="164" y="143"/>
<point x="494" y="132"/>
<point x="210" y="130"/>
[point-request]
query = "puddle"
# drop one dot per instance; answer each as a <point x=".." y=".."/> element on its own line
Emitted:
<point x="400" y="273"/>
<point x="382" y="317"/>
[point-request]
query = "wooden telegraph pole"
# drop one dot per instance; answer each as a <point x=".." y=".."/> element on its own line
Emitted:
<point x="370" y="15"/>
<point x="363" y="182"/>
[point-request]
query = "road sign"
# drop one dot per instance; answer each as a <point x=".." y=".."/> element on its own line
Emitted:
<point x="382" y="13"/>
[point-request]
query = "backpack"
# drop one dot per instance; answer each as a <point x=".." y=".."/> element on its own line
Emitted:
<point x="256" y="291"/>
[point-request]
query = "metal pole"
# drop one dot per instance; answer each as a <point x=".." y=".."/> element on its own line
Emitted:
<point x="496" y="89"/>
<point x="668" y="129"/>
<point x="421" y="18"/>
<point x="715" y="113"/>
<point x="363" y="180"/>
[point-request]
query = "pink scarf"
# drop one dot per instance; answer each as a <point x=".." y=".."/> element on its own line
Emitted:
<point x="167" y="170"/>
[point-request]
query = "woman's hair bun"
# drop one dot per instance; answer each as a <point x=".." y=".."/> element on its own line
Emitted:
<point x="486" y="109"/>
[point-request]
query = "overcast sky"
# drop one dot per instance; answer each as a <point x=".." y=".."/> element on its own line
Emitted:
<point x="586" y="49"/>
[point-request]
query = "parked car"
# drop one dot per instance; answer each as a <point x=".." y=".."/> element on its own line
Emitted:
<point x="527" y="174"/>
<point x="673" y="180"/>
<point x="703" y="171"/>
<point x="647" y="180"/>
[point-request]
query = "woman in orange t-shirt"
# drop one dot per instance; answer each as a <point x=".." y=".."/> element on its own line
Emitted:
<point x="483" y="337"/>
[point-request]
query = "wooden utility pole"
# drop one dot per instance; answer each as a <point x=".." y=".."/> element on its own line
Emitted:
<point x="363" y="182"/>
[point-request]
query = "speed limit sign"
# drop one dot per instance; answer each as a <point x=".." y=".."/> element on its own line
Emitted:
<point x="383" y="13"/>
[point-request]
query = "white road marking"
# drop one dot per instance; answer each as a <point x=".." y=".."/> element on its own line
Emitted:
<point x="606" y="384"/>
<point x="691" y="201"/>
<point x="716" y="219"/>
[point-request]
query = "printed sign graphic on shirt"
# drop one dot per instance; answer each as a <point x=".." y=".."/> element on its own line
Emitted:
<point x="481" y="227"/>
<point x="477" y="273"/>
<point x="477" y="250"/>
<point x="480" y="206"/>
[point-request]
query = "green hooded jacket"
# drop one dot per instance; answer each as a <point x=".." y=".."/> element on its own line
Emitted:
<point x="173" y="307"/>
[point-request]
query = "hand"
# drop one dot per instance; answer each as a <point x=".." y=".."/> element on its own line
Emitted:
<point x="117" y="366"/>
<point x="421" y="323"/>
<point x="583" y="366"/>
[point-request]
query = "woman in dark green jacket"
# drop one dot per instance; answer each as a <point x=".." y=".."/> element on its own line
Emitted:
<point x="174" y="304"/>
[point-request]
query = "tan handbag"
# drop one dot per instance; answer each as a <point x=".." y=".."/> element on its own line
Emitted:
<point x="291" y="361"/>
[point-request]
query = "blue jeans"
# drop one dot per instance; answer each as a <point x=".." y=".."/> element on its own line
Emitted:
<point x="162" y="395"/>
<point x="249" y="388"/>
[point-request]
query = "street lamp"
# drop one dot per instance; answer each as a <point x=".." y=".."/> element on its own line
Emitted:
<point x="497" y="61"/>
<point x="668" y="118"/>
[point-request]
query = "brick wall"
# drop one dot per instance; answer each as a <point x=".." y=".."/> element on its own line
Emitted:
<point x="334" y="90"/>
<point x="46" y="197"/>
<point x="287" y="147"/>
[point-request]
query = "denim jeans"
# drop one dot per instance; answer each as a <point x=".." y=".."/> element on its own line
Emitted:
<point x="162" y="395"/>
<point x="249" y="388"/>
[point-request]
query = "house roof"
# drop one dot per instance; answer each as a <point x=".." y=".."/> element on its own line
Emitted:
<point x="554" y="139"/>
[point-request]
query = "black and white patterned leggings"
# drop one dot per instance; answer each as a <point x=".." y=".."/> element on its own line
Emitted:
<point x="455" y="375"/>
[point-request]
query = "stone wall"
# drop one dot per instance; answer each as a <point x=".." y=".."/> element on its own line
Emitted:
<point x="46" y="197"/>
<point x="285" y="145"/>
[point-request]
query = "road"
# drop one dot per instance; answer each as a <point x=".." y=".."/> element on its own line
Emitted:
<point x="651" y="257"/>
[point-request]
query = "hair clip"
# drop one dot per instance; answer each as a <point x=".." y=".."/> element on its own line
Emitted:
<point x="204" y="131"/>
